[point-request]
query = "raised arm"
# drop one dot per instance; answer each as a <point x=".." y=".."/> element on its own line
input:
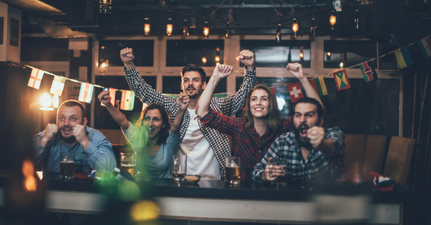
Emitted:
<point x="183" y="102"/>
<point x="142" y="90"/>
<point x="234" y="103"/>
<point x="220" y="72"/>
<point x="118" y="116"/>
<point x="296" y="70"/>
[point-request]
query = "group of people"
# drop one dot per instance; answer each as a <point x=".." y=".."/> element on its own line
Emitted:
<point x="198" y="125"/>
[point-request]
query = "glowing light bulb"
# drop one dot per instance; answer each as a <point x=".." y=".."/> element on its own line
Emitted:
<point x="204" y="60"/>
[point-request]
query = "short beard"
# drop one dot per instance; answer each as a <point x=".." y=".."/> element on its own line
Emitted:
<point x="68" y="140"/>
<point x="303" y="142"/>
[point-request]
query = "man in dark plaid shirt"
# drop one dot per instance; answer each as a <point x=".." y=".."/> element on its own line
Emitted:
<point x="206" y="148"/>
<point x="308" y="151"/>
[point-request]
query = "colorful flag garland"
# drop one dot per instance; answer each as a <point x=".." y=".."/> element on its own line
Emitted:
<point x="86" y="93"/>
<point x="57" y="85"/>
<point x="341" y="80"/>
<point x="35" y="78"/>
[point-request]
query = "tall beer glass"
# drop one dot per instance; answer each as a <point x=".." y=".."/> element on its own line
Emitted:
<point x="232" y="170"/>
<point x="67" y="165"/>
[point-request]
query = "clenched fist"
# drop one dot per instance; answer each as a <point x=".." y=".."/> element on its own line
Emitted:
<point x="316" y="134"/>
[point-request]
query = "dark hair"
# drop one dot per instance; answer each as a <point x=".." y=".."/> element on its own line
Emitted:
<point x="193" y="67"/>
<point x="164" y="131"/>
<point x="319" y="107"/>
<point x="274" y="116"/>
<point x="72" y="103"/>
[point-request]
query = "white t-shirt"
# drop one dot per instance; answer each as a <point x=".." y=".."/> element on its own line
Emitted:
<point x="200" y="155"/>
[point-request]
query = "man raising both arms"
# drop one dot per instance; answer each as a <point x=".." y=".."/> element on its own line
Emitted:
<point x="206" y="148"/>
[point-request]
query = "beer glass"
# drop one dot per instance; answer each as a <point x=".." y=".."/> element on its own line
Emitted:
<point x="179" y="167"/>
<point x="128" y="162"/>
<point x="67" y="165"/>
<point x="232" y="170"/>
<point x="281" y="181"/>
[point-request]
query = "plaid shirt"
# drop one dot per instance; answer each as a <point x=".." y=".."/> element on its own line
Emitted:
<point x="316" y="168"/>
<point x="229" y="106"/>
<point x="247" y="143"/>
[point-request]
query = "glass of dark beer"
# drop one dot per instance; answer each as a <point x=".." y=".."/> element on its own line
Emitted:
<point x="232" y="170"/>
<point x="281" y="181"/>
<point x="67" y="165"/>
<point x="179" y="168"/>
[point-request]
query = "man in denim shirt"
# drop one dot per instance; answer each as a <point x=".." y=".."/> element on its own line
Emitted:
<point x="71" y="134"/>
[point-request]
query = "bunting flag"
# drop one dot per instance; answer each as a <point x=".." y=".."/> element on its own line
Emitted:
<point x="35" y="78"/>
<point x="368" y="71"/>
<point x="341" y="80"/>
<point x="57" y="85"/>
<point x="127" y="100"/>
<point x="425" y="45"/>
<point x="112" y="95"/>
<point x="295" y="92"/>
<point x="273" y="90"/>
<point x="403" y="57"/>
<point x="86" y="92"/>
<point x="319" y="85"/>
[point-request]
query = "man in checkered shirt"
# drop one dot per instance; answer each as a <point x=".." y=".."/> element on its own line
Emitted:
<point x="308" y="151"/>
<point x="206" y="148"/>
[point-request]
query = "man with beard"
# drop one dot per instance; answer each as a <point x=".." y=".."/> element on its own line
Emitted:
<point x="206" y="148"/>
<point x="92" y="149"/>
<point x="309" y="152"/>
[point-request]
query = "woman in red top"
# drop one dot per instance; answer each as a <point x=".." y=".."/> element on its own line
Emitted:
<point x="262" y="124"/>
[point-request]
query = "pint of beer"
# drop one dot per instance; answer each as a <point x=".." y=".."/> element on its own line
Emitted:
<point x="67" y="165"/>
<point x="128" y="162"/>
<point x="232" y="170"/>
<point x="281" y="181"/>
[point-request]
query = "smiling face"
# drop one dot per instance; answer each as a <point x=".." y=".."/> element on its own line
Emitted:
<point x="305" y="117"/>
<point x="192" y="84"/>
<point x="259" y="103"/>
<point x="67" y="118"/>
<point x="153" y="122"/>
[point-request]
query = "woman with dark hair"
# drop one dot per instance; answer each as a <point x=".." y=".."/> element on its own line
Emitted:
<point x="150" y="136"/>
<point x="254" y="134"/>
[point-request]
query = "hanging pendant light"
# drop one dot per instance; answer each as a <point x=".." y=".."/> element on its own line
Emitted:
<point x="186" y="28"/>
<point x="228" y="32"/>
<point x="147" y="26"/>
<point x="357" y="19"/>
<point x="313" y="27"/>
<point x="332" y="20"/>
<point x="206" y="30"/>
<point x="169" y="27"/>
<point x="295" y="27"/>
<point x="278" y="33"/>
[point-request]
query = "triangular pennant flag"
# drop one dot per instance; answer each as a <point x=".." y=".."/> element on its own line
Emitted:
<point x="425" y="46"/>
<point x="86" y="92"/>
<point x="273" y="90"/>
<point x="319" y="85"/>
<point x="57" y="85"/>
<point x="403" y="57"/>
<point x="368" y="71"/>
<point x="127" y="100"/>
<point x="341" y="80"/>
<point x="35" y="78"/>
<point x="295" y="92"/>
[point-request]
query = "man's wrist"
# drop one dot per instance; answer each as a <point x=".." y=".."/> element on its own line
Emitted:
<point x="252" y="67"/>
<point x="129" y="65"/>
